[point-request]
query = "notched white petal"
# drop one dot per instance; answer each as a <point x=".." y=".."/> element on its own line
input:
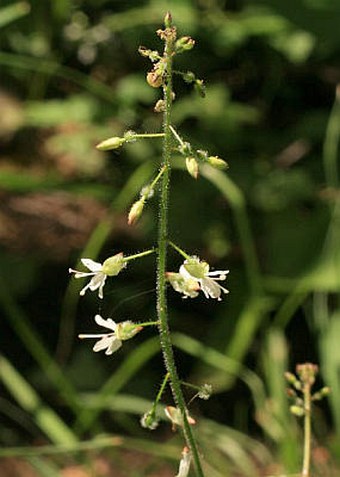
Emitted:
<point x="91" y="264"/>
<point x="108" y="323"/>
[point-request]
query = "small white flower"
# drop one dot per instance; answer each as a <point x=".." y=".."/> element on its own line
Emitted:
<point x="112" y="341"/>
<point x="184" y="465"/>
<point x="107" y="341"/>
<point x="189" y="287"/>
<point x="199" y="271"/>
<point x="98" y="277"/>
<point x="99" y="272"/>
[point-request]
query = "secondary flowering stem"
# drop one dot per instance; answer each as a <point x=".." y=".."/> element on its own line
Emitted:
<point x="307" y="430"/>
<point x="165" y="337"/>
<point x="179" y="250"/>
<point x="138" y="255"/>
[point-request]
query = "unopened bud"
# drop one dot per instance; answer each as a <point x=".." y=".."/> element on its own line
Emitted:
<point x="113" y="265"/>
<point x="200" y="88"/>
<point x="153" y="55"/>
<point x="321" y="394"/>
<point x="307" y="372"/>
<point x="111" y="143"/>
<point x="168" y="20"/>
<point x="205" y="391"/>
<point x="189" y="77"/>
<point x="297" y="411"/>
<point x="175" y="416"/>
<point x="154" y="79"/>
<point x="135" y="211"/>
<point x="184" y="44"/>
<point x="160" y="106"/>
<point x="192" y="167"/>
<point x="149" y="420"/>
<point x="217" y="162"/>
<point x="292" y="379"/>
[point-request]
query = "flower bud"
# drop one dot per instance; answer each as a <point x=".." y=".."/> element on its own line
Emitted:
<point x="297" y="411"/>
<point x="325" y="391"/>
<point x="135" y="211"/>
<point x="111" y="143"/>
<point x="152" y="54"/>
<point x="168" y="20"/>
<point x="160" y="106"/>
<point x="217" y="162"/>
<point x="307" y="372"/>
<point x="192" y="166"/>
<point x="184" y="44"/>
<point x="154" y="79"/>
<point x="189" y="77"/>
<point x="200" y="87"/>
<point x="127" y="330"/>
<point x="149" y="420"/>
<point x="175" y="416"/>
<point x="205" y="392"/>
<point x="113" y="265"/>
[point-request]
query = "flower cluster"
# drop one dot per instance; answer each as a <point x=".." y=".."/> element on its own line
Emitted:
<point x="112" y="266"/>
<point x="194" y="275"/>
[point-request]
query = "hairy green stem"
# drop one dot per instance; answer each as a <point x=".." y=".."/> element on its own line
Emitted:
<point x="162" y="312"/>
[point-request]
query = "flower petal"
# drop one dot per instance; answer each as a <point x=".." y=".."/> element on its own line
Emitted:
<point x="114" y="345"/>
<point x="103" y="343"/>
<point x="91" y="264"/>
<point x="98" y="281"/>
<point x="109" y="323"/>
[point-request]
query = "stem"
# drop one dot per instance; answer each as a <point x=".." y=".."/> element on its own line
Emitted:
<point x="139" y="255"/>
<point x="164" y="331"/>
<point x="146" y="135"/>
<point x="307" y="431"/>
<point x="180" y="251"/>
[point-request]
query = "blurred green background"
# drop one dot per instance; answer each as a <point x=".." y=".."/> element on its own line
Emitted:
<point x="71" y="76"/>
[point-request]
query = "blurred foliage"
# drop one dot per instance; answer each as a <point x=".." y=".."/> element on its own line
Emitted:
<point x="70" y="77"/>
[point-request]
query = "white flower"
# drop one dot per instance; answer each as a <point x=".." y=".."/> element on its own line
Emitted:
<point x="99" y="272"/>
<point x="199" y="271"/>
<point x="111" y="342"/>
<point x="184" y="465"/>
<point x="186" y="286"/>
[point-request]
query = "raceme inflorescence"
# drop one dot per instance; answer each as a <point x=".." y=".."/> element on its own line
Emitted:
<point x="194" y="275"/>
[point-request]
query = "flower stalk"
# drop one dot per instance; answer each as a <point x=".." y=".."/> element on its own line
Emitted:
<point x="162" y="308"/>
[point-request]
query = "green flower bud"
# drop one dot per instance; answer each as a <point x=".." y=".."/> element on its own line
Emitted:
<point x="192" y="167"/>
<point x="200" y="88"/>
<point x="217" y="162"/>
<point x="111" y="143"/>
<point x="149" y="420"/>
<point x="152" y="54"/>
<point x="297" y="411"/>
<point x="184" y="44"/>
<point x="189" y="77"/>
<point x="168" y="20"/>
<point x="113" y="265"/>
<point x="321" y="394"/>
<point x="292" y="379"/>
<point x="135" y="211"/>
